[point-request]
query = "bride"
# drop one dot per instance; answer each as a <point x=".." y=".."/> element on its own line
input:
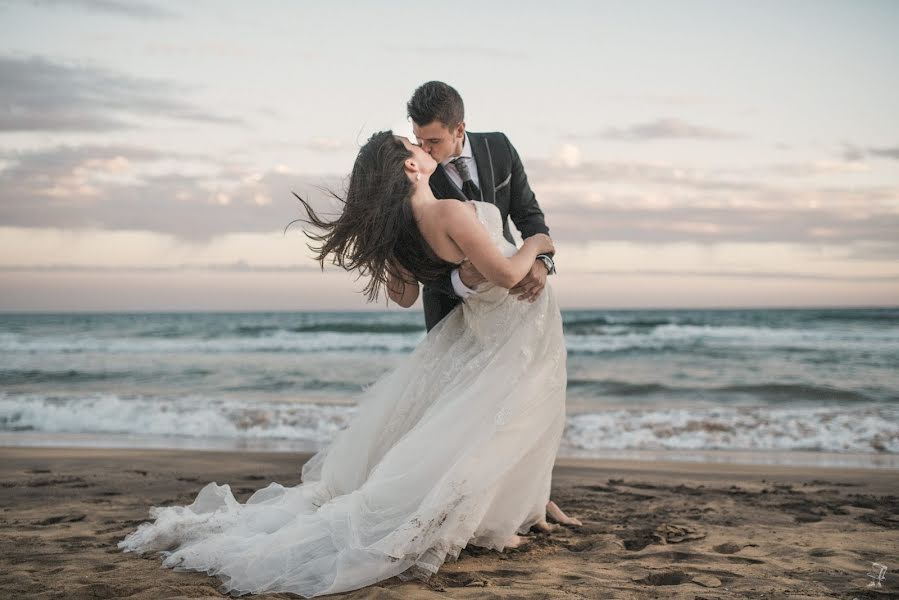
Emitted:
<point x="454" y="447"/>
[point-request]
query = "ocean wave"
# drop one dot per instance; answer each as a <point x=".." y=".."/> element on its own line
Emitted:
<point x="594" y="335"/>
<point x="355" y="327"/>
<point x="180" y="417"/>
<point x="308" y="385"/>
<point x="33" y="376"/>
<point x="867" y="429"/>
<point x="270" y="382"/>
<point x="611" y="387"/>
<point x="279" y="341"/>
<point x="606" y="324"/>
<point x="349" y="326"/>
<point x="867" y="315"/>
<point x="788" y="392"/>
<point x="773" y="392"/>
<point x="678" y="337"/>
<point x="861" y="429"/>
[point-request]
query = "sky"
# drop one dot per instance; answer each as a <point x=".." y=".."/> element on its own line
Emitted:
<point x="686" y="154"/>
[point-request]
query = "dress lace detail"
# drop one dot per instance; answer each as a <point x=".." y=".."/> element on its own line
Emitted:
<point x="454" y="447"/>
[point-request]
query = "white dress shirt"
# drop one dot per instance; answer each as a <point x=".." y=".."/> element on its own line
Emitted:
<point x="468" y="157"/>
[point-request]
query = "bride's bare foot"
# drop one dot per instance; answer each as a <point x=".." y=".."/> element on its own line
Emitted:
<point x="516" y="541"/>
<point x="555" y="513"/>
<point x="543" y="527"/>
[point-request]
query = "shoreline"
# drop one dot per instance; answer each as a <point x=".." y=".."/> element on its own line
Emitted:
<point x="392" y="309"/>
<point x="786" y="458"/>
<point x="697" y="529"/>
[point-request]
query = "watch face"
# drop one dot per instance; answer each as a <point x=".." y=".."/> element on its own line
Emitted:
<point x="550" y="267"/>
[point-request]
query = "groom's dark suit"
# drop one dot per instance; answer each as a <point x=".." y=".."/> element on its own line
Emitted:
<point x="503" y="182"/>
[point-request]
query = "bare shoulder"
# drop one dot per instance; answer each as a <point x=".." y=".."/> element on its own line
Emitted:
<point x="456" y="211"/>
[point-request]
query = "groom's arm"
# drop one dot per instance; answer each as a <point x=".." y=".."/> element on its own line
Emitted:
<point x="529" y="220"/>
<point x="523" y="207"/>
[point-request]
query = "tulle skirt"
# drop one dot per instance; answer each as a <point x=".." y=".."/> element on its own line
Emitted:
<point x="454" y="447"/>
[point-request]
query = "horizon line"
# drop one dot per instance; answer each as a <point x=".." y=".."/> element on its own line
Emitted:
<point x="398" y="309"/>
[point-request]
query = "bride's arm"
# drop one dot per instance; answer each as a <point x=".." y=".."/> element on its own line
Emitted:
<point x="466" y="231"/>
<point x="402" y="288"/>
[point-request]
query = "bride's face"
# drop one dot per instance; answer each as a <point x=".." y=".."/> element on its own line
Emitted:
<point x="421" y="160"/>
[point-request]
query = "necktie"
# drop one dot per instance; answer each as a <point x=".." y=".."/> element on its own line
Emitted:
<point x="469" y="187"/>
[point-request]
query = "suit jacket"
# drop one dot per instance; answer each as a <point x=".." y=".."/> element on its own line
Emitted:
<point x="504" y="183"/>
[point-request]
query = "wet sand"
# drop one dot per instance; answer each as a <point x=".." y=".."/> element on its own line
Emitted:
<point x="651" y="529"/>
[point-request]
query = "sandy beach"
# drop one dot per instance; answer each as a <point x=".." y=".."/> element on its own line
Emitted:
<point x="651" y="529"/>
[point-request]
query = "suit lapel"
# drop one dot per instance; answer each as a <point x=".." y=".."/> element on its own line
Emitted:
<point x="482" y="158"/>
<point x="442" y="186"/>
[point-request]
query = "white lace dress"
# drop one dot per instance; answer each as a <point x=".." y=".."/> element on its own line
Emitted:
<point x="454" y="447"/>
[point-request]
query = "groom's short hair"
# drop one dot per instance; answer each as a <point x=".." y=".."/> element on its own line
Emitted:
<point x="436" y="101"/>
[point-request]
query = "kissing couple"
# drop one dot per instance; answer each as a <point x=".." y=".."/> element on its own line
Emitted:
<point x="455" y="446"/>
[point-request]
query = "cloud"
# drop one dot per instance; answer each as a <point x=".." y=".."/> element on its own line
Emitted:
<point x="195" y="198"/>
<point x="821" y="167"/>
<point x="567" y="156"/>
<point x="885" y="152"/>
<point x="881" y="251"/>
<point x="624" y="219"/>
<point x="129" y="8"/>
<point x="661" y="129"/>
<point x="659" y="203"/>
<point x="234" y="267"/>
<point x="603" y="172"/>
<point x="37" y="94"/>
<point x="852" y="152"/>
<point x="121" y="187"/>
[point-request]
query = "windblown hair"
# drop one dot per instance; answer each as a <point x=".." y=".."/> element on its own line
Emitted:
<point x="376" y="230"/>
<point x="436" y="101"/>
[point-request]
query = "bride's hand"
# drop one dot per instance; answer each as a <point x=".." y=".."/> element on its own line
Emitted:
<point x="543" y="243"/>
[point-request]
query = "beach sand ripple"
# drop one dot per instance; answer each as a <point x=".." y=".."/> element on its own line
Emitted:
<point x="651" y="530"/>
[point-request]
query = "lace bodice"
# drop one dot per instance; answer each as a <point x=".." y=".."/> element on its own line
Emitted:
<point x="488" y="293"/>
<point x="492" y="220"/>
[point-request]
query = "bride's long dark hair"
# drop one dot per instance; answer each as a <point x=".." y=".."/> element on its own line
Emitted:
<point x="376" y="231"/>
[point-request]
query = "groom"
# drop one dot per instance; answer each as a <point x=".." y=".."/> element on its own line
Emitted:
<point x="483" y="167"/>
<point x="474" y="166"/>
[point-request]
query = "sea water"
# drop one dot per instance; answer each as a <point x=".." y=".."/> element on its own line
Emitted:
<point x="817" y="384"/>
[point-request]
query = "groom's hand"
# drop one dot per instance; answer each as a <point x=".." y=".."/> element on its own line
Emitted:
<point x="533" y="283"/>
<point x="470" y="275"/>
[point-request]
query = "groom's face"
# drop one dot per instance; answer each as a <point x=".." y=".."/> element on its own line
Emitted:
<point x="438" y="140"/>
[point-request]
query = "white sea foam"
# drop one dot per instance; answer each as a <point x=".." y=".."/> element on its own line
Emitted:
<point x="190" y="417"/>
<point x="672" y="336"/>
<point x="831" y="429"/>
<point x="865" y="429"/>
<point x="608" y="338"/>
<point x="277" y="341"/>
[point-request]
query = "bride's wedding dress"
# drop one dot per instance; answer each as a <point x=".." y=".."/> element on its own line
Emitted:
<point x="454" y="447"/>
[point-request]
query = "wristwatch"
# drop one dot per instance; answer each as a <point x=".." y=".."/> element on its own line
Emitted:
<point x="548" y="261"/>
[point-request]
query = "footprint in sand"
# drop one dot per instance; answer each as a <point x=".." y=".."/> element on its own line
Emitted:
<point x="678" y="578"/>
<point x="60" y="519"/>
<point x="667" y="578"/>
<point x="583" y="546"/>
<point x="731" y="548"/>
